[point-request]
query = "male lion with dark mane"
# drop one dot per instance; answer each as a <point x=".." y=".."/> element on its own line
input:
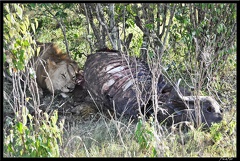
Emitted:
<point x="55" y="70"/>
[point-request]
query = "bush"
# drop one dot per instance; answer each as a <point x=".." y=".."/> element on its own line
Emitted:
<point x="41" y="139"/>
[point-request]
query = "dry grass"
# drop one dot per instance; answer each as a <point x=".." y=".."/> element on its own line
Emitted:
<point x="116" y="138"/>
<point x="103" y="137"/>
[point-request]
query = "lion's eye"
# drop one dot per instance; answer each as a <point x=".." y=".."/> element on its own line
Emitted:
<point x="63" y="76"/>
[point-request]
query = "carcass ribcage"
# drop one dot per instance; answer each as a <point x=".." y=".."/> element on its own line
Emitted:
<point x="118" y="81"/>
<point x="124" y="84"/>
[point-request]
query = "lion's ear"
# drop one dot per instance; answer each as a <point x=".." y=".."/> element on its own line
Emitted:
<point x="51" y="64"/>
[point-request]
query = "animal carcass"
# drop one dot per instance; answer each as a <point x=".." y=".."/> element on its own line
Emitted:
<point x="124" y="84"/>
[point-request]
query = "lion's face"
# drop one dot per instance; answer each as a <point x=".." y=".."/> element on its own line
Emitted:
<point x="62" y="75"/>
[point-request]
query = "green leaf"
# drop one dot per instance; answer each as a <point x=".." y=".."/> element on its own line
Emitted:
<point x="139" y="126"/>
<point x="210" y="5"/>
<point x="33" y="27"/>
<point x="46" y="116"/>
<point x="149" y="26"/>
<point x="20" y="127"/>
<point x="75" y="35"/>
<point x="6" y="38"/>
<point x="32" y="73"/>
<point x="10" y="149"/>
<point x="193" y="33"/>
<point x="158" y="19"/>
<point x="151" y="54"/>
<point x="24" y="114"/>
<point x="54" y="119"/>
<point x="25" y="43"/>
<point x="20" y="65"/>
<point x="26" y="21"/>
<point x="154" y="152"/>
<point x="61" y="14"/>
<point x="21" y="55"/>
<point x="23" y="27"/>
<point x="221" y="5"/>
<point x="178" y="17"/>
<point x="11" y="33"/>
<point x="38" y="50"/>
<point x="89" y="36"/>
<point x="7" y="8"/>
<point x="7" y="23"/>
<point x="19" y="11"/>
<point x="33" y="5"/>
<point x="4" y="57"/>
<point x="130" y="22"/>
<point x="220" y="28"/>
<point x="36" y="22"/>
<point x="8" y="17"/>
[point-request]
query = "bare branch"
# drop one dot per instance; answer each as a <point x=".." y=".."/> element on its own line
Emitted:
<point x="139" y="23"/>
<point x="88" y="28"/>
<point x="64" y="34"/>
<point x="95" y="30"/>
<point x="62" y="28"/>
<point x="102" y="22"/>
<point x="112" y="26"/>
<point x="164" y="19"/>
<point x="128" y="40"/>
<point x="158" y="17"/>
<point x="168" y="28"/>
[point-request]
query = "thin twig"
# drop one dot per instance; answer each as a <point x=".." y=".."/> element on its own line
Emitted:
<point x="102" y="22"/>
<point x="62" y="28"/>
<point x="88" y="28"/>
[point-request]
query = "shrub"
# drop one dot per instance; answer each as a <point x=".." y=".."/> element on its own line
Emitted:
<point x="27" y="139"/>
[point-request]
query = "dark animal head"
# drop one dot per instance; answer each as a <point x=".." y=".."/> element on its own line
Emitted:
<point x="181" y="106"/>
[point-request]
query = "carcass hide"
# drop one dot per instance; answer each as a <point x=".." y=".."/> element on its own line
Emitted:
<point x="124" y="84"/>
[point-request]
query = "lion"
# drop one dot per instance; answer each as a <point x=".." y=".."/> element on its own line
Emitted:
<point x="55" y="70"/>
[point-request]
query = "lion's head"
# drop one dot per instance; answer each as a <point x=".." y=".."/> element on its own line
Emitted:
<point x="62" y="76"/>
<point x="56" y="71"/>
